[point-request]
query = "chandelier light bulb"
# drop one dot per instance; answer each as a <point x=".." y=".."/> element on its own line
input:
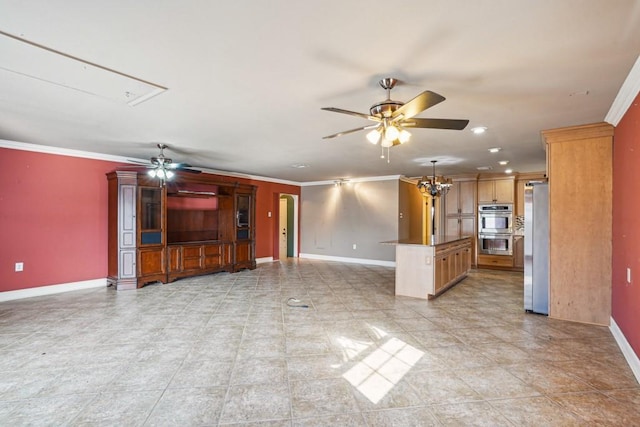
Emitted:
<point x="391" y="133"/>
<point x="386" y="142"/>
<point x="404" y="136"/>
<point x="374" y="136"/>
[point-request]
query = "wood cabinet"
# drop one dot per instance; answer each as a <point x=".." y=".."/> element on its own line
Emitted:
<point x="580" y="163"/>
<point x="192" y="225"/>
<point x="499" y="261"/>
<point x="518" y="252"/>
<point x="498" y="190"/>
<point x="461" y="212"/>
<point x="521" y="181"/>
<point x="425" y="271"/>
<point x="461" y="199"/>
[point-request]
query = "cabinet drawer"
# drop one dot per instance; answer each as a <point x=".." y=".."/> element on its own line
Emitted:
<point x="191" y="251"/>
<point x="495" y="260"/>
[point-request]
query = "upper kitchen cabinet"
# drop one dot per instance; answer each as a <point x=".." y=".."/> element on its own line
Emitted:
<point x="497" y="190"/>
<point x="521" y="182"/>
<point x="461" y="198"/>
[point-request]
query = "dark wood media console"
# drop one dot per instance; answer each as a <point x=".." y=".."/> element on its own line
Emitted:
<point x="190" y="226"/>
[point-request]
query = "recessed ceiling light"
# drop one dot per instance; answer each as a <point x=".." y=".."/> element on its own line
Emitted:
<point x="508" y="171"/>
<point x="503" y="162"/>
<point x="494" y="149"/>
<point x="479" y="129"/>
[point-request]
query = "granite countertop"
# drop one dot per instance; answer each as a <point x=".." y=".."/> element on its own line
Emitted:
<point x="440" y="240"/>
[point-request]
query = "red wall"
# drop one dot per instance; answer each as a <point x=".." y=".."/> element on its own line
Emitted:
<point x="53" y="218"/>
<point x="625" y="306"/>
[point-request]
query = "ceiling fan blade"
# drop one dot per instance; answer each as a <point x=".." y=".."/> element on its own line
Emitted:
<point x="352" y="113"/>
<point x="436" y="123"/>
<point x="178" y="165"/>
<point x="344" y="132"/>
<point x="418" y="104"/>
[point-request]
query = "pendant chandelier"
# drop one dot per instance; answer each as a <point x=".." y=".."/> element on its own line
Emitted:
<point x="434" y="185"/>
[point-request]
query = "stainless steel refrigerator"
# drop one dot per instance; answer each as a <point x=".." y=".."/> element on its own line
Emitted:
<point x="536" y="247"/>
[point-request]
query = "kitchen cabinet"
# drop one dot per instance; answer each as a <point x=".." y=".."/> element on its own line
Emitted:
<point x="521" y="182"/>
<point x="499" y="261"/>
<point x="518" y="252"/>
<point x="461" y="199"/>
<point x="580" y="161"/>
<point x="499" y="190"/>
<point x="461" y="212"/>
<point x="427" y="270"/>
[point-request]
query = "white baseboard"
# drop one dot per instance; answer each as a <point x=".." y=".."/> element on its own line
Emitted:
<point x="52" y="289"/>
<point x="627" y="351"/>
<point x="351" y="260"/>
<point x="264" y="260"/>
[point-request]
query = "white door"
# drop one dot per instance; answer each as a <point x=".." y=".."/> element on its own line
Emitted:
<point x="283" y="229"/>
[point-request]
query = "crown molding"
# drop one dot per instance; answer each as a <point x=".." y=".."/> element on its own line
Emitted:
<point x="628" y="92"/>
<point x="47" y="149"/>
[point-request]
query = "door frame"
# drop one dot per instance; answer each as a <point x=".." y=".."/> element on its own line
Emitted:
<point x="276" y="225"/>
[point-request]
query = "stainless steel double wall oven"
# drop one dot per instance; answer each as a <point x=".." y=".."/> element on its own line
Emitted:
<point x="495" y="229"/>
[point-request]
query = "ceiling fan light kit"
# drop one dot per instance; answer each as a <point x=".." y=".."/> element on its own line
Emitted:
<point x="393" y="116"/>
<point x="163" y="168"/>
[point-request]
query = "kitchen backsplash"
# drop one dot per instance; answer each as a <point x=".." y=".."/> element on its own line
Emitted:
<point x="519" y="223"/>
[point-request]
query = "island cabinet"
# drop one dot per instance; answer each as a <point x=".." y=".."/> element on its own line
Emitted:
<point x="425" y="270"/>
<point x="189" y="226"/>
<point x="497" y="190"/>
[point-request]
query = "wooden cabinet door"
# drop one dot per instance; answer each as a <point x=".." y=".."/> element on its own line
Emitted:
<point x="452" y="226"/>
<point x="175" y="259"/>
<point x="151" y="262"/>
<point x="518" y="251"/>
<point x="504" y="189"/>
<point x="519" y="208"/>
<point x="212" y="256"/>
<point x="467" y="197"/>
<point x="192" y="257"/>
<point x="452" y="200"/>
<point x="486" y="192"/>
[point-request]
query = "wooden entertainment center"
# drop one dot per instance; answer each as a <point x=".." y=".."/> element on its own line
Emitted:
<point x="189" y="226"/>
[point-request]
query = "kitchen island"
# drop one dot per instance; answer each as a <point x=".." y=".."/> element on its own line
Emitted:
<point x="425" y="269"/>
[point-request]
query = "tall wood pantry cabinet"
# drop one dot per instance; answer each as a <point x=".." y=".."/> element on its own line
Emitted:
<point x="460" y="209"/>
<point x="192" y="225"/>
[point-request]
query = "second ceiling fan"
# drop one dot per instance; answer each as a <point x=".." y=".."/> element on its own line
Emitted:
<point x="392" y="118"/>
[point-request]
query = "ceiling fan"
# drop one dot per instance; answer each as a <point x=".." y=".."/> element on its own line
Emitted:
<point x="162" y="167"/>
<point x="392" y="118"/>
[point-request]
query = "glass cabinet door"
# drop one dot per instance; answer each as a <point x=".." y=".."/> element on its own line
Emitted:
<point x="150" y="216"/>
<point x="243" y="216"/>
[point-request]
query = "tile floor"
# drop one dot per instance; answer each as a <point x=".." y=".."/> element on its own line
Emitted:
<point x="226" y="349"/>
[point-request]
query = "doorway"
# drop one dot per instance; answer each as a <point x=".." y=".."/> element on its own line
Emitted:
<point x="287" y="226"/>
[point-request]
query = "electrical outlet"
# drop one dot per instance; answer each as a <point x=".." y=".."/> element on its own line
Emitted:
<point x="628" y="275"/>
<point x="19" y="266"/>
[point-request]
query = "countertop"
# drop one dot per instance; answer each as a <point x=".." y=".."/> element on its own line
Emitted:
<point x="439" y="240"/>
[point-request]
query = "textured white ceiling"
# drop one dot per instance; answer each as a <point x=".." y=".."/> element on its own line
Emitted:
<point x="246" y="79"/>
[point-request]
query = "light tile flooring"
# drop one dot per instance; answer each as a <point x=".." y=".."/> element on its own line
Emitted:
<point x="226" y="349"/>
